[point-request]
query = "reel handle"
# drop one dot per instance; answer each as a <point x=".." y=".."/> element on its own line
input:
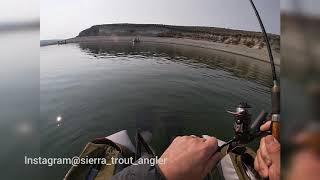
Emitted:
<point x="255" y="125"/>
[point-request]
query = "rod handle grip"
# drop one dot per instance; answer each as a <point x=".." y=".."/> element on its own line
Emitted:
<point x="275" y="130"/>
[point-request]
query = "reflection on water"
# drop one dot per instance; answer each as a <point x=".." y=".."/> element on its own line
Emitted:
<point x="239" y="66"/>
<point x="101" y="88"/>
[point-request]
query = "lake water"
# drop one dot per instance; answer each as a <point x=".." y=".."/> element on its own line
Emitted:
<point x="19" y="104"/>
<point x="100" y="88"/>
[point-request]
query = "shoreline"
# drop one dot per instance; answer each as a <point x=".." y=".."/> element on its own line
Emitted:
<point x="258" y="54"/>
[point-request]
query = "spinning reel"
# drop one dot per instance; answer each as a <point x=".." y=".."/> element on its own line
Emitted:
<point x="244" y="128"/>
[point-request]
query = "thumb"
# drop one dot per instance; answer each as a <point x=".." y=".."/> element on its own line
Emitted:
<point x="265" y="126"/>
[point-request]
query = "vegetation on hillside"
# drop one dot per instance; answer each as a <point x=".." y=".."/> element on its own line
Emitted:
<point x="220" y="35"/>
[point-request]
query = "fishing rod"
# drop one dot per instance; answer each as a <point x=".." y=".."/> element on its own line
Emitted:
<point x="275" y="90"/>
<point x="274" y="74"/>
<point x="245" y="130"/>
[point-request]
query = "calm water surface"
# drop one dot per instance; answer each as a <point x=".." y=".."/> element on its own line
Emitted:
<point x="101" y="88"/>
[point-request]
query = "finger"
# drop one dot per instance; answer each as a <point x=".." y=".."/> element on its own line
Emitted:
<point x="272" y="145"/>
<point x="212" y="144"/>
<point x="263" y="170"/>
<point x="264" y="152"/>
<point x="200" y="139"/>
<point x="186" y="137"/>
<point x="265" y="126"/>
<point x="194" y="136"/>
<point x="212" y="162"/>
<point x="256" y="164"/>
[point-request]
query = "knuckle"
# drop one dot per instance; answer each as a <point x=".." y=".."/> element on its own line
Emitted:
<point x="210" y="146"/>
<point x="177" y="139"/>
<point x="215" y="141"/>
<point x="212" y="141"/>
<point x="273" y="148"/>
<point x="185" y="137"/>
<point x="213" y="138"/>
<point x="264" y="155"/>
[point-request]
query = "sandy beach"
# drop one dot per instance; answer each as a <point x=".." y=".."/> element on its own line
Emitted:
<point x="259" y="54"/>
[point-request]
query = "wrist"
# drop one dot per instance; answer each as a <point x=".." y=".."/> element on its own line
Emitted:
<point x="162" y="171"/>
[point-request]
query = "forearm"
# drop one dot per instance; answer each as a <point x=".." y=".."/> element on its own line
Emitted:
<point x="140" y="171"/>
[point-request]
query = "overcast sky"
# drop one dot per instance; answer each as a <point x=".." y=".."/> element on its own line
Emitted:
<point x="66" y="18"/>
<point x="19" y="10"/>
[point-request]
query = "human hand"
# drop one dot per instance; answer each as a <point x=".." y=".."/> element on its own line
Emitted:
<point x="190" y="157"/>
<point x="305" y="162"/>
<point x="267" y="161"/>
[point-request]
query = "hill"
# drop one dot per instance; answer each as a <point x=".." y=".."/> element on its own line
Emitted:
<point x="220" y="35"/>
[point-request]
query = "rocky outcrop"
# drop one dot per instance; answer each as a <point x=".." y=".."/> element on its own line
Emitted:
<point x="220" y="35"/>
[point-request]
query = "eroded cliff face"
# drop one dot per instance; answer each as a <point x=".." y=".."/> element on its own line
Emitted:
<point x="219" y="35"/>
